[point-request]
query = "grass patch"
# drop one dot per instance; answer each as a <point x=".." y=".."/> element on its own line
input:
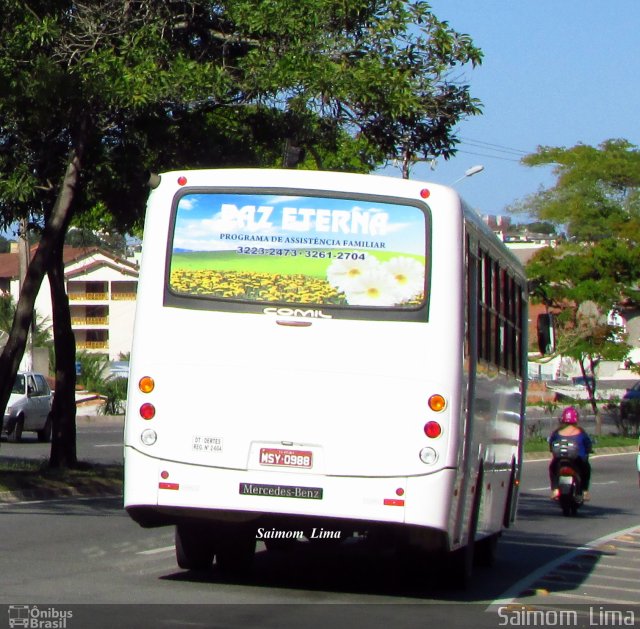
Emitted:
<point x="539" y="444"/>
<point x="303" y="263"/>
<point x="26" y="475"/>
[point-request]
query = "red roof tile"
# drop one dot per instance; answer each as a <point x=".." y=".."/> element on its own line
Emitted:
<point x="9" y="267"/>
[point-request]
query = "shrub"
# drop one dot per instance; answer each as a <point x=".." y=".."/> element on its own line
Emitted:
<point x="115" y="392"/>
<point x="93" y="368"/>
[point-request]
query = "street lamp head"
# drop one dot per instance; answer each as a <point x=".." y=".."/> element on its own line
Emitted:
<point x="474" y="170"/>
<point x="470" y="172"/>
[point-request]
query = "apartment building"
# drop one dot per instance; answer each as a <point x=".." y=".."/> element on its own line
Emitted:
<point x="102" y="291"/>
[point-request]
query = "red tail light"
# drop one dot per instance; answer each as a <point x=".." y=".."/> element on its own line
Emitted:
<point x="432" y="430"/>
<point x="147" y="411"/>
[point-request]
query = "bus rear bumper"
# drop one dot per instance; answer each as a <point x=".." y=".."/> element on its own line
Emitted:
<point x="158" y="493"/>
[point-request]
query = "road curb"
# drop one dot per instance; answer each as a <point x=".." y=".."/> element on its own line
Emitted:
<point x="36" y="495"/>
<point x="100" y="420"/>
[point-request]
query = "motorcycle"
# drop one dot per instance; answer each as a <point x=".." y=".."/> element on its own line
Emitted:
<point x="569" y="481"/>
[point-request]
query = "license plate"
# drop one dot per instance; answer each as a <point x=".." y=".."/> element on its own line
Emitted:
<point x="286" y="458"/>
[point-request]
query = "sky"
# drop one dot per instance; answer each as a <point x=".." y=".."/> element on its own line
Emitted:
<point x="222" y="222"/>
<point x="554" y="73"/>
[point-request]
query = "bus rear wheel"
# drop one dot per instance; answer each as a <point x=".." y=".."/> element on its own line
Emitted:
<point x="486" y="550"/>
<point x="195" y="547"/>
<point x="236" y="550"/>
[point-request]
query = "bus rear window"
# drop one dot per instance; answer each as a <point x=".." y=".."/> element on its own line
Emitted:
<point x="303" y="250"/>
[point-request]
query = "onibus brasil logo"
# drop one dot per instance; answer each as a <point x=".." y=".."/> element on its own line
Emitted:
<point x="33" y="616"/>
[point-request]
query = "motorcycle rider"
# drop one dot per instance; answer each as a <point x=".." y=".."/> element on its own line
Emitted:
<point x="570" y="430"/>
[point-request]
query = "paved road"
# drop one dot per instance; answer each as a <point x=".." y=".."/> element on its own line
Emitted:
<point x="99" y="440"/>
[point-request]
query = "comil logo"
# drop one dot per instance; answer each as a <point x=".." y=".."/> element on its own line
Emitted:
<point x="35" y="617"/>
<point x="298" y="312"/>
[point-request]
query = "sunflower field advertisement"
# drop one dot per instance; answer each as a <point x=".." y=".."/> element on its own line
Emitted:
<point x="308" y="250"/>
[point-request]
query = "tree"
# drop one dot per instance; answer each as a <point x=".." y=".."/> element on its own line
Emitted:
<point x="84" y="238"/>
<point x="94" y="93"/>
<point x="41" y="329"/>
<point x="596" y="201"/>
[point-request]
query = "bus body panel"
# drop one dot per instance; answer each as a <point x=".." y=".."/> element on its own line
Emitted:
<point x="331" y="386"/>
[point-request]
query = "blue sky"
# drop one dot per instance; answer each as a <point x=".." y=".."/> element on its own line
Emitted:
<point x="555" y="73"/>
<point x="218" y="222"/>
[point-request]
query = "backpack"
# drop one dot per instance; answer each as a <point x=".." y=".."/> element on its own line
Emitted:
<point x="564" y="448"/>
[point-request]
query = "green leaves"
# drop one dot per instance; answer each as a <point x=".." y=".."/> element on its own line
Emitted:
<point x="149" y="84"/>
<point x="595" y="199"/>
<point x="597" y="189"/>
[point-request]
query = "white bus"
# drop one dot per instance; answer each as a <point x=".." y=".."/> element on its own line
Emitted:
<point x="319" y="355"/>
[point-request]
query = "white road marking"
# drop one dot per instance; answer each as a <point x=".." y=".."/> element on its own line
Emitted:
<point x="157" y="551"/>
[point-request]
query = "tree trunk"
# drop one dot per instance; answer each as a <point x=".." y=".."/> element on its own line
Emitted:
<point x="54" y="232"/>
<point x="63" y="411"/>
<point x="591" y="392"/>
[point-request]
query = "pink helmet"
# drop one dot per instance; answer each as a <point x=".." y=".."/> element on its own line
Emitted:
<point x="570" y="415"/>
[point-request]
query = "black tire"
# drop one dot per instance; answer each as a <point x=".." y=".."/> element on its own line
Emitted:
<point x="566" y="503"/>
<point x="44" y="435"/>
<point x="195" y="546"/>
<point x="16" y="433"/>
<point x="234" y="556"/>
<point x="486" y="550"/>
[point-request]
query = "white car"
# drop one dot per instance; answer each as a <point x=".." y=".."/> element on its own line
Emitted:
<point x="28" y="407"/>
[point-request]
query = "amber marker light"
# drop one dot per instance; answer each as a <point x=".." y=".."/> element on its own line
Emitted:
<point x="146" y="384"/>
<point x="437" y="403"/>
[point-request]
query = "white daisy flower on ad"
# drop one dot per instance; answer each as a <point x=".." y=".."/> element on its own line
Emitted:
<point x="343" y="273"/>
<point x="375" y="287"/>
<point x="408" y="274"/>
